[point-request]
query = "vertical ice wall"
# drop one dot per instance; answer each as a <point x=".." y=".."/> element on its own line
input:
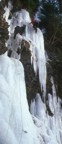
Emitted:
<point x="34" y="38"/>
<point x="38" y="54"/>
<point x="16" y="124"/>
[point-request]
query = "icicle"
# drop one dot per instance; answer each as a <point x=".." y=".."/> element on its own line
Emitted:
<point x="7" y="11"/>
<point x="40" y="107"/>
<point x="41" y="62"/>
<point x="38" y="54"/>
<point x="54" y="96"/>
<point x="50" y="103"/>
<point x="33" y="108"/>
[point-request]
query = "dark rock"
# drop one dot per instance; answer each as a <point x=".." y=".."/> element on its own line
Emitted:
<point x="19" y="30"/>
<point x="3" y="49"/>
<point x="9" y="52"/>
<point x="32" y="81"/>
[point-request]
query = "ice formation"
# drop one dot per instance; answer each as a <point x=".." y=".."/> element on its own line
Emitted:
<point x="16" y="122"/>
<point x="49" y="128"/>
<point x="36" y="41"/>
<point x="16" y="125"/>
<point x="7" y="11"/>
<point x="38" y="54"/>
<point x="37" y="14"/>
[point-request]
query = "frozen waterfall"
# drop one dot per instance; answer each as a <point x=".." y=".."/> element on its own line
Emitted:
<point x="17" y="125"/>
<point x="35" y="39"/>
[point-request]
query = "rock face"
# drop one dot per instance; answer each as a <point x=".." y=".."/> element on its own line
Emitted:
<point x="3" y="30"/>
<point x="32" y="81"/>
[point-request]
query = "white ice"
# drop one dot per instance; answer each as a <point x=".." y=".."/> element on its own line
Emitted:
<point x="7" y="11"/>
<point x="36" y="41"/>
<point x="16" y="124"/>
<point x="38" y="54"/>
<point x="49" y="128"/>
